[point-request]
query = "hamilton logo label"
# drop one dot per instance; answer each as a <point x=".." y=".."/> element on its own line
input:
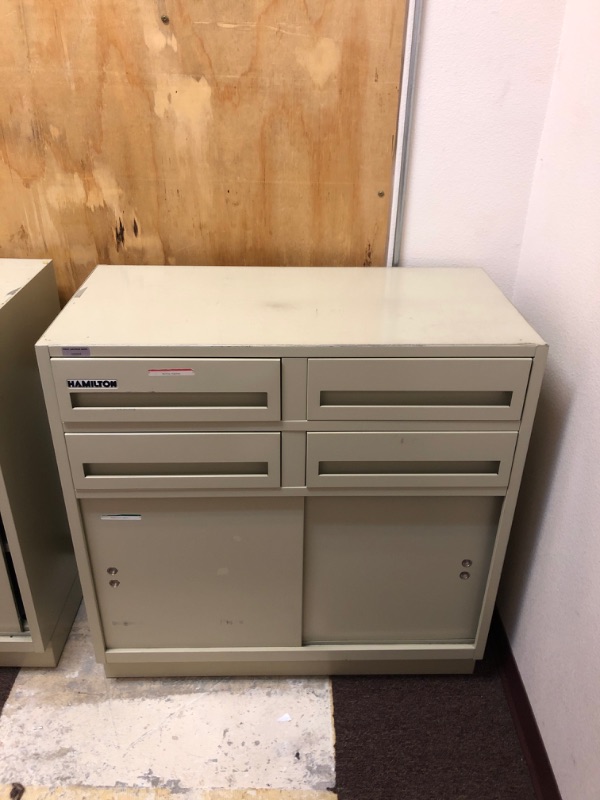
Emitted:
<point x="91" y="384"/>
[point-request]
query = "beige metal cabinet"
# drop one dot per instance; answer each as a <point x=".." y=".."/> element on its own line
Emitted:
<point x="317" y="476"/>
<point x="39" y="588"/>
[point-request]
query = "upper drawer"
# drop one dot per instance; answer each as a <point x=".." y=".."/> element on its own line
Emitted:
<point x="155" y="390"/>
<point x="417" y="388"/>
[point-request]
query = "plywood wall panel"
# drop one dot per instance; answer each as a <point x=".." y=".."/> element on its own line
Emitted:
<point x="239" y="133"/>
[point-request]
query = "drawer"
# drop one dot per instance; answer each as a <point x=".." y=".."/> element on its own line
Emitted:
<point x="156" y="390"/>
<point x="410" y="459"/>
<point x="396" y="569"/>
<point x="417" y="388"/>
<point x="129" y="461"/>
<point x="197" y="572"/>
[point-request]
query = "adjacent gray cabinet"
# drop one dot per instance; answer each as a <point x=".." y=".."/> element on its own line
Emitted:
<point x="290" y="471"/>
<point x="39" y="588"/>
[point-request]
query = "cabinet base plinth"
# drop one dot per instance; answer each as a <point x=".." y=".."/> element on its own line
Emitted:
<point x="123" y="664"/>
<point x="291" y="669"/>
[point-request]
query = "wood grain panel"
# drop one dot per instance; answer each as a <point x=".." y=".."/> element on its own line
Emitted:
<point x="188" y="131"/>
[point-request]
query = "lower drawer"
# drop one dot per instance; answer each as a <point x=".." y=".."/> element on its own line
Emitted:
<point x="410" y="459"/>
<point x="197" y="572"/>
<point x="132" y="461"/>
<point x="396" y="569"/>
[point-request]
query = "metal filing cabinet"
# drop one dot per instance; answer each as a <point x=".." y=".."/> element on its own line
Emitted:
<point x="39" y="588"/>
<point x="290" y="471"/>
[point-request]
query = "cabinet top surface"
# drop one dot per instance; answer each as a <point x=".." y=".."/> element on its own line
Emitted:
<point x="15" y="273"/>
<point x="151" y="306"/>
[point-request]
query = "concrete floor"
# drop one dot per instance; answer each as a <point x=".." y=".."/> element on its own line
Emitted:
<point x="70" y="730"/>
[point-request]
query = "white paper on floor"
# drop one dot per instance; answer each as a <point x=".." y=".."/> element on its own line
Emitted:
<point x="72" y="725"/>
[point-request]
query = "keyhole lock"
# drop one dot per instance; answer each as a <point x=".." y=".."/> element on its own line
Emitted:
<point x="467" y="562"/>
<point x="464" y="576"/>
<point x="114" y="584"/>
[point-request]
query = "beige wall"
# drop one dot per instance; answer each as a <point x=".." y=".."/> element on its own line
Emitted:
<point x="505" y="174"/>
<point x="484" y="76"/>
<point x="551" y="592"/>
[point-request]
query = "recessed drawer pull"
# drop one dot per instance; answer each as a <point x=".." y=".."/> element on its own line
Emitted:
<point x="166" y="400"/>
<point x="433" y="399"/>
<point x="215" y="469"/>
<point x="409" y="467"/>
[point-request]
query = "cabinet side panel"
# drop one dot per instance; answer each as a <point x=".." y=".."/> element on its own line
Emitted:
<point x="33" y="509"/>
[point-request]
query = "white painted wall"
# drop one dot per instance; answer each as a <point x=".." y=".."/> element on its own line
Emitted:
<point x="483" y="80"/>
<point x="551" y="591"/>
<point x="505" y="174"/>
